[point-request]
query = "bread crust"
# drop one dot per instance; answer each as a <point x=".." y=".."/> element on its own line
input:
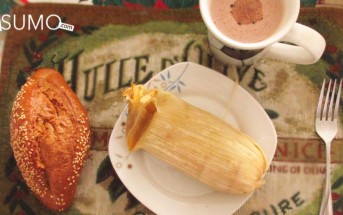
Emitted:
<point x="50" y="137"/>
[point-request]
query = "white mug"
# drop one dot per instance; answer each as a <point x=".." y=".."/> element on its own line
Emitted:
<point x="291" y="42"/>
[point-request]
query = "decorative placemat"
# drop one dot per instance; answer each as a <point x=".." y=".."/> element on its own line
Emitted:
<point x="112" y="47"/>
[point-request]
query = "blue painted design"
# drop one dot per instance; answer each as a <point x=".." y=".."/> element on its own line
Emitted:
<point x="166" y="82"/>
<point x="162" y="76"/>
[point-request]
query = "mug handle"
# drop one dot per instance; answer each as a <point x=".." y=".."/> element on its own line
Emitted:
<point x="308" y="46"/>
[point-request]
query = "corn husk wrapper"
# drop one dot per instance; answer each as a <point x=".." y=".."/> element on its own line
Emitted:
<point x="194" y="141"/>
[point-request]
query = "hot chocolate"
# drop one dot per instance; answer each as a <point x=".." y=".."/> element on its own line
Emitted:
<point x="247" y="21"/>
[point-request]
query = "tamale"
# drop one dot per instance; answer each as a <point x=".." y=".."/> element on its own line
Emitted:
<point x="193" y="141"/>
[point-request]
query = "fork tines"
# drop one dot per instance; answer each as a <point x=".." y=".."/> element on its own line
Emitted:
<point x="329" y="111"/>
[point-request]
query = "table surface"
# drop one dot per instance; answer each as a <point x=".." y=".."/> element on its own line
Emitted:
<point x="113" y="46"/>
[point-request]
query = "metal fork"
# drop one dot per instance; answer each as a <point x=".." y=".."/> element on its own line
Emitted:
<point x="326" y="127"/>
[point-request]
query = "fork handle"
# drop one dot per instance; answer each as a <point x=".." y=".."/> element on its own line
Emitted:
<point x="327" y="209"/>
<point x="326" y="205"/>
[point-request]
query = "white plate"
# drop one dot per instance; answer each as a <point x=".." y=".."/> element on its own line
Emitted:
<point x="165" y="190"/>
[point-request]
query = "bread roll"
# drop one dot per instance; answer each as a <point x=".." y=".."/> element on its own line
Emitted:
<point x="50" y="137"/>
